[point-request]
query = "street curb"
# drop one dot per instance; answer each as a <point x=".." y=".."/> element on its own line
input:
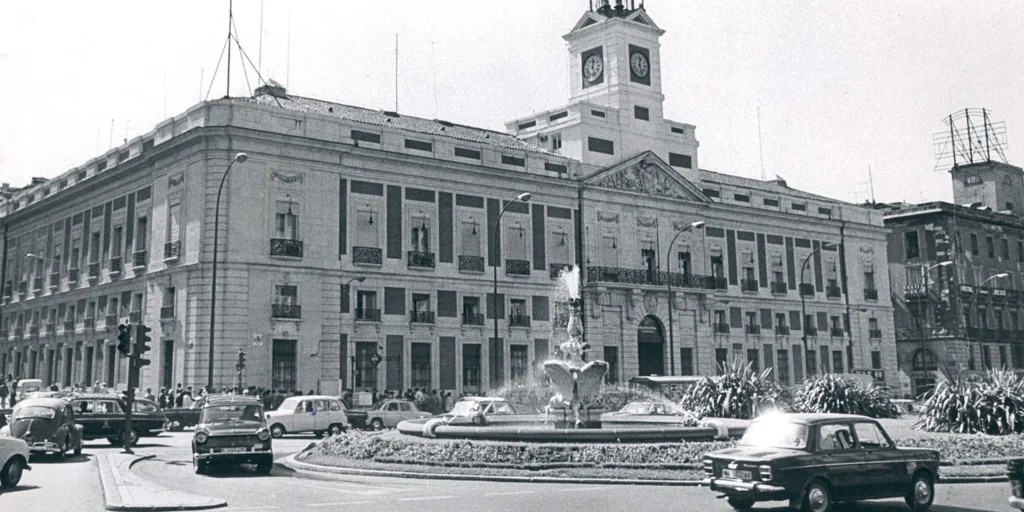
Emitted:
<point x="114" y="481"/>
<point x="294" y="464"/>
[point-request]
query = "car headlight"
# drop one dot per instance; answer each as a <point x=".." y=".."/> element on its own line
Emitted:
<point x="263" y="434"/>
<point x="202" y="437"/>
<point x="766" y="472"/>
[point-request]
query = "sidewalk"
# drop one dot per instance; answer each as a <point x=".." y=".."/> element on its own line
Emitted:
<point x="124" y="491"/>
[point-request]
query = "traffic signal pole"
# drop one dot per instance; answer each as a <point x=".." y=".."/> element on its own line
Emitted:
<point x="135" y="364"/>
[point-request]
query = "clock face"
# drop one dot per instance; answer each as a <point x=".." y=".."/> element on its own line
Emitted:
<point x="592" y="68"/>
<point x="638" y="63"/>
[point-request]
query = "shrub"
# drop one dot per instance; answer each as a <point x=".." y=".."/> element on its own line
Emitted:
<point x="830" y="393"/>
<point x="992" y="405"/>
<point x="739" y="392"/>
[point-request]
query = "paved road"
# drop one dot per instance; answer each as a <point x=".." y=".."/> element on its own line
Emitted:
<point x="74" y="485"/>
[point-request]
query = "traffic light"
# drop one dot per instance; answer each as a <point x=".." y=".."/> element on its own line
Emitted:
<point x="240" y="365"/>
<point x="124" y="339"/>
<point x="142" y="340"/>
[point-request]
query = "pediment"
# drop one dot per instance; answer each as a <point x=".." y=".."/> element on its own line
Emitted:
<point x="588" y="19"/>
<point x="647" y="174"/>
<point x="640" y="16"/>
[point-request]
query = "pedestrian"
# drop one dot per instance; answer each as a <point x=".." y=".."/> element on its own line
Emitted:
<point x="267" y="398"/>
<point x="449" y="404"/>
<point x="3" y="393"/>
<point x="310" y="393"/>
<point x="162" y="398"/>
<point x="149" y="395"/>
<point x="374" y="396"/>
<point x="186" y="398"/>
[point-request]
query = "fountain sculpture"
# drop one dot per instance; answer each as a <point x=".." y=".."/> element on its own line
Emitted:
<point x="577" y="382"/>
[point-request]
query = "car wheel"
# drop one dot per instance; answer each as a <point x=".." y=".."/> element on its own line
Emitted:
<point x="115" y="441"/>
<point x="318" y="433"/>
<point x="336" y="429"/>
<point x="377" y="424"/>
<point x="11" y="474"/>
<point x="78" y="448"/>
<point x="921" y="492"/>
<point x="199" y="467"/>
<point x="263" y="468"/>
<point x="818" y="497"/>
<point x="277" y="430"/>
<point x="130" y="437"/>
<point x="740" y="503"/>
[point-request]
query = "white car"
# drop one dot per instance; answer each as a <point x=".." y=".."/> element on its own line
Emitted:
<point x="13" y="460"/>
<point x="310" y="413"/>
<point x="388" y="413"/>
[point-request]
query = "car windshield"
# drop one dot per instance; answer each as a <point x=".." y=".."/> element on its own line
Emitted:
<point x="775" y="433"/>
<point x="377" y="406"/>
<point x="466" y="407"/>
<point x="232" y="412"/>
<point x="35" y="411"/>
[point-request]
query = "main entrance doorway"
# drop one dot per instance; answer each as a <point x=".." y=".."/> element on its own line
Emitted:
<point x="651" y="347"/>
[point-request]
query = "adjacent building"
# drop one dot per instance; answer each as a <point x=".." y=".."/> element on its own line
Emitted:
<point x="356" y="246"/>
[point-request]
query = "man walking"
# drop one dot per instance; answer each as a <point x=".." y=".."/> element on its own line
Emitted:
<point x="3" y="393"/>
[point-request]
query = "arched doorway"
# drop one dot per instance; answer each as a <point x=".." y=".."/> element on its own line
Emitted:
<point x="651" y="347"/>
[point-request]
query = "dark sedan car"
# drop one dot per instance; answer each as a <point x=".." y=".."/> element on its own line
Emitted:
<point x="47" y="425"/>
<point x="816" y="460"/>
<point x="232" y="430"/>
<point x="103" y="416"/>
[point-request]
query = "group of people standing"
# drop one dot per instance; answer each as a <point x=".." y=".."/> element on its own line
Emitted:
<point x="432" y="401"/>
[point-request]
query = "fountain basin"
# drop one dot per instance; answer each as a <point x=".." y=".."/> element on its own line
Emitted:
<point x="532" y="431"/>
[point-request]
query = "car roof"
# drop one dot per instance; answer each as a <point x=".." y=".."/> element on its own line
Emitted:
<point x="233" y="399"/>
<point x="809" y="418"/>
<point x="55" y="403"/>
<point x="482" y="399"/>
<point x="91" y="396"/>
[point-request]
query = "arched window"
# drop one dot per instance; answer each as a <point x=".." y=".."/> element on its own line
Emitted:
<point x="924" y="360"/>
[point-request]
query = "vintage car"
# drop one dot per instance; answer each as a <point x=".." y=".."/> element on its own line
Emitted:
<point x="102" y="415"/>
<point x="180" y="418"/>
<point x="387" y="413"/>
<point x="47" y="425"/>
<point x="28" y="386"/>
<point x="232" y="430"/>
<point x="13" y="461"/>
<point x="309" y="413"/>
<point x="479" y="410"/>
<point x="817" y="460"/>
<point x="650" y="412"/>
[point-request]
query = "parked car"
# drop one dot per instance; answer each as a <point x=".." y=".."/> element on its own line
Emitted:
<point x="13" y="461"/>
<point x="387" y="413"/>
<point x="817" y="460"/>
<point x="309" y="413"/>
<point x="27" y="387"/>
<point x="102" y="416"/>
<point x="5" y="417"/>
<point x="232" y="430"/>
<point x="47" y="425"/>
<point x="479" y="410"/>
<point x="180" y="418"/>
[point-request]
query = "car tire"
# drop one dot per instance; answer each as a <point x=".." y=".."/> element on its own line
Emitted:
<point x="277" y="431"/>
<point x="817" y="497"/>
<point x="336" y="429"/>
<point x="921" y="492"/>
<point x="130" y="438"/>
<point x="11" y="473"/>
<point x="114" y="441"/>
<point x="377" y="424"/>
<point x="740" y="502"/>
<point x="318" y="433"/>
<point x="78" y="448"/>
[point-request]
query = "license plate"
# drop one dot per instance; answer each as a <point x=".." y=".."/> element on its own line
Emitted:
<point x="234" y="450"/>
<point x="737" y="473"/>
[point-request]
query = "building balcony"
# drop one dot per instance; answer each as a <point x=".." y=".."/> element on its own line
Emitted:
<point x="875" y="333"/>
<point x="782" y="330"/>
<point x="556" y="269"/>
<point x="73" y="275"/>
<point x="836" y="332"/>
<point x="420" y="259"/>
<point x="51" y="328"/>
<point x="748" y="285"/>
<point x="911" y="292"/>
<point x="1013" y="296"/>
<point x="648" y="277"/>
<point x="292" y="311"/>
<point x="367" y="315"/>
<point x="870" y="294"/>
<point x="722" y="328"/>
<point x="810" y="331"/>
<point x="111" y="321"/>
<point x="421" y="317"/>
<point x="172" y="250"/>
<point x="94" y="270"/>
<point x="833" y="292"/>
<point x="33" y="330"/>
<point x="23" y="288"/>
<point x="518" y="321"/>
<point x="114" y="265"/>
<point x="69" y="326"/>
<point x="472" y="319"/>
<point x="753" y="329"/>
<point x="89" y="323"/>
<point x="167" y="312"/>
<point x="807" y="289"/>
<point x="779" y="288"/>
<point x="517" y="267"/>
<point x="988" y="334"/>
<point x="134" y="317"/>
<point x="54" y="280"/>
<point x="471" y="264"/>
<point x="998" y="295"/>
<point x="367" y="256"/>
<point x="19" y="331"/>
<point x="286" y="247"/>
<point x="721" y="283"/>
<point x="140" y="259"/>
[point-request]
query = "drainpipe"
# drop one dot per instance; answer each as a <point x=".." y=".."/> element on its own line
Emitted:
<point x="846" y="293"/>
<point x="3" y="276"/>
<point x="581" y="245"/>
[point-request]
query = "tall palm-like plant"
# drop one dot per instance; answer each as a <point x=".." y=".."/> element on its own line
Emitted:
<point x="831" y="393"/>
<point x="737" y="392"/>
<point x="993" y="404"/>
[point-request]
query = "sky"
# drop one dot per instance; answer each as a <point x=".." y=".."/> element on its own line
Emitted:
<point x="841" y="86"/>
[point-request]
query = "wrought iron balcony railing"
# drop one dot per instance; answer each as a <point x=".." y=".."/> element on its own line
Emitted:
<point x="517" y="267"/>
<point x="658" y="278"/>
<point x="172" y="250"/>
<point x="421" y="317"/>
<point x="833" y="292"/>
<point x="807" y="289"/>
<point x="69" y="325"/>
<point x="286" y="247"/>
<point x="51" y="328"/>
<point x="368" y="315"/>
<point x="837" y="332"/>
<point x="140" y="259"/>
<point x="518" y="321"/>
<point x="367" y="255"/>
<point x="167" y="312"/>
<point x="89" y="323"/>
<point x="779" y="288"/>
<point x="748" y="285"/>
<point x="721" y="283"/>
<point x="870" y="294"/>
<point x="782" y="330"/>
<point x="420" y="259"/>
<point x="1013" y="296"/>
<point x="810" y="331"/>
<point x="471" y="263"/>
<point x="134" y="317"/>
<point x="472" y="319"/>
<point x="94" y="270"/>
<point x="19" y="331"/>
<point x="110" y="320"/>
<point x="722" y="328"/>
<point x="114" y="265"/>
<point x="556" y="269"/>
<point x="33" y="330"/>
<point x="285" y="311"/>
<point x="753" y="329"/>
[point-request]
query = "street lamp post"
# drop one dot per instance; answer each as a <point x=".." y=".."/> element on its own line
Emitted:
<point x="524" y="197"/>
<point x="803" y="301"/>
<point x="341" y="361"/>
<point x="240" y="158"/>
<point x="668" y="277"/>
<point x="981" y="345"/>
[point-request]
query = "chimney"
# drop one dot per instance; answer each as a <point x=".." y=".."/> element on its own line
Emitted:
<point x="272" y="88"/>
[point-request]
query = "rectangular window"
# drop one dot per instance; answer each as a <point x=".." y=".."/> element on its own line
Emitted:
<point x="518" y="359"/>
<point x="685" y="360"/>
<point x="141" y="233"/>
<point x="420" y="356"/>
<point x="517" y="308"/>
<point x="286" y="295"/>
<point x="420" y="303"/>
<point x="910" y="242"/>
<point x="284" y="367"/>
<point x="559" y="168"/>
<point x="800" y="207"/>
<point x="418" y="145"/>
<point x="782" y="366"/>
<point x="367" y="227"/>
<point x="974" y="244"/>
<point x="825" y="211"/>
<point x="559" y="115"/>
<point x="869" y="280"/>
<point x="754" y="358"/>
<point x="470" y="235"/>
<point x="116" y="241"/>
<point x="641" y="113"/>
<point x="1006" y="249"/>
<point x="513" y="160"/>
<point x="467" y="153"/>
<point x="1020" y="250"/>
<point x="362" y="136"/>
<point x="678" y="160"/>
<point x="741" y="198"/>
<point x="597" y="113"/>
<point x="556" y="141"/>
<point x="471" y="367"/>
<point x="419" y="233"/>
<point x="366" y="305"/>
<point x="366" y="370"/>
<point x="597" y="145"/>
<point x="837" y="361"/>
<point x="771" y="202"/>
<point x="990" y="245"/>
<point x="94" y="247"/>
<point x="174" y="223"/>
<point x="876" y="360"/>
<point x="721" y="359"/>
<point x="527" y="125"/>
<point x="712" y="193"/>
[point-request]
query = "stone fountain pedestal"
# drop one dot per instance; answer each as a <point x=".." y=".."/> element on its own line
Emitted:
<point x="564" y="418"/>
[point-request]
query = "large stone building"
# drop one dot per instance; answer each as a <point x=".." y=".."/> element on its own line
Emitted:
<point x="356" y="247"/>
<point x="957" y="271"/>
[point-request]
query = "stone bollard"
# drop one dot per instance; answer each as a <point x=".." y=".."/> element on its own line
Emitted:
<point x="1015" y="473"/>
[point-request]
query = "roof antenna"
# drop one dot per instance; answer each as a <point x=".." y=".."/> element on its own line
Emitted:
<point x="396" y="71"/>
<point x="760" y="149"/>
<point x="259" y="58"/>
<point x="227" y="93"/>
<point x="871" y="184"/>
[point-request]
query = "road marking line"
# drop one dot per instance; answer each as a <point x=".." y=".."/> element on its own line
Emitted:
<point x="581" y="489"/>
<point x="338" y="503"/>
<point x="511" y="493"/>
<point x="269" y="507"/>
<point x="364" y="490"/>
<point x="425" y="498"/>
